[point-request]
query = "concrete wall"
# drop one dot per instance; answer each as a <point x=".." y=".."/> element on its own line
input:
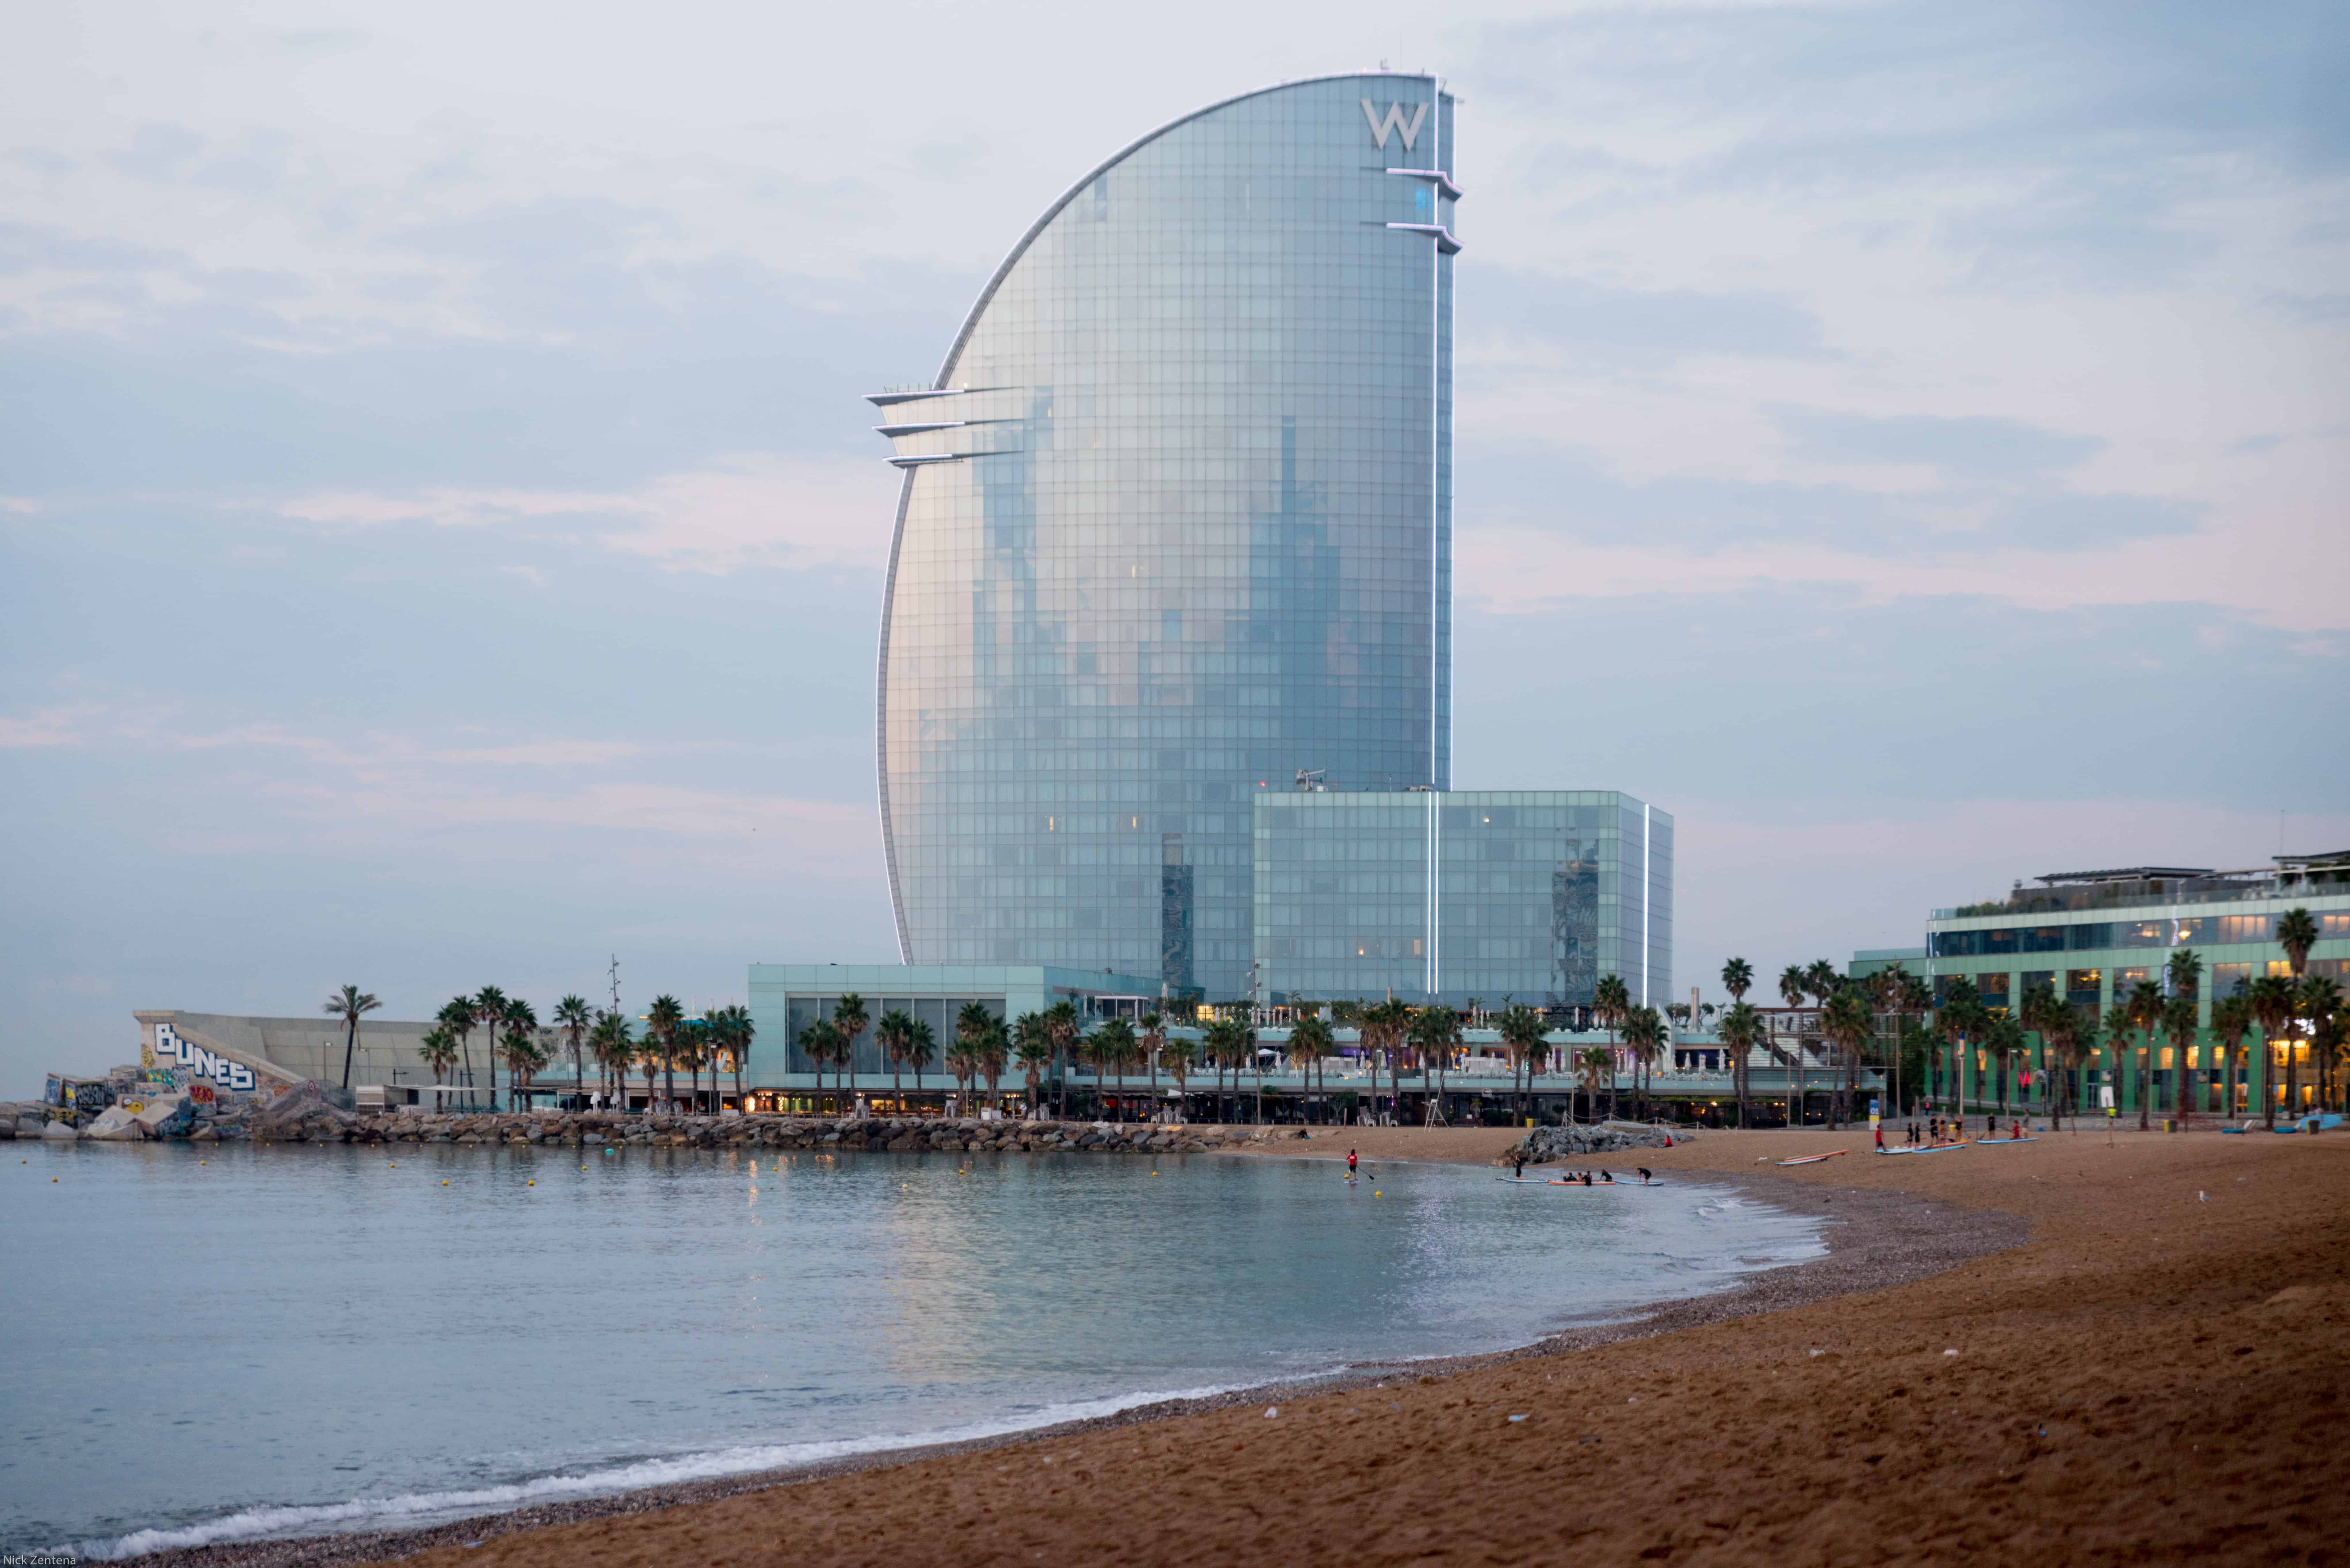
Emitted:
<point x="300" y="1048"/>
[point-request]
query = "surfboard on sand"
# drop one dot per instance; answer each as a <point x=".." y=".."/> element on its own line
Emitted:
<point x="1813" y="1158"/>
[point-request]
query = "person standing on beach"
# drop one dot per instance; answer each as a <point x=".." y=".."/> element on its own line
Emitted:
<point x="1880" y="1141"/>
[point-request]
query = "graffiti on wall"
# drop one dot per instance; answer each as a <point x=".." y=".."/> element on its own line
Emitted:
<point x="234" y="1076"/>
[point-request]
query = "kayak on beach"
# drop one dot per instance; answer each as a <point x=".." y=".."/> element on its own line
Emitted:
<point x="1814" y="1158"/>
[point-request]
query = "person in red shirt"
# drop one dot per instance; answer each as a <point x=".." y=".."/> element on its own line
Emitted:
<point x="1350" y="1165"/>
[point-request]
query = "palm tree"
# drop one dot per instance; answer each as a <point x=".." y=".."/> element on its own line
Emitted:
<point x="2230" y="1016"/>
<point x="687" y="1050"/>
<point x="2118" y="1021"/>
<point x="995" y="1052"/>
<point x="972" y="1021"/>
<point x="1791" y="991"/>
<point x="2179" y="1028"/>
<point x="2184" y="972"/>
<point x="517" y="1019"/>
<point x="1646" y="1033"/>
<point x="2275" y="999"/>
<point x="490" y="1009"/>
<point x="2296" y="932"/>
<point x="1522" y="1033"/>
<point x="890" y="1034"/>
<point x="2145" y="1007"/>
<point x="1594" y="1065"/>
<point x="438" y="1049"/>
<point x="1179" y="1057"/>
<point x="1737" y="975"/>
<point x="614" y="1050"/>
<point x="1382" y="1029"/>
<point x="921" y="1048"/>
<point x="527" y="1050"/>
<point x="1032" y="1047"/>
<point x="663" y="1020"/>
<point x="1432" y="1031"/>
<point x="1311" y="1038"/>
<point x="1152" y="1036"/>
<point x="573" y="1016"/>
<point x="2039" y="1013"/>
<point x="350" y="1006"/>
<point x="1062" y="1025"/>
<point x="1848" y="1023"/>
<point x="740" y="1032"/>
<point x="1743" y="1028"/>
<point x="457" y="1016"/>
<point x="849" y="1016"/>
<point x="2321" y="1005"/>
<point x="961" y="1062"/>
<point x="1113" y="1045"/>
<point x="819" y="1038"/>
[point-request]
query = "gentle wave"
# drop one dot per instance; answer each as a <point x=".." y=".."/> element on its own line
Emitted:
<point x="417" y="1507"/>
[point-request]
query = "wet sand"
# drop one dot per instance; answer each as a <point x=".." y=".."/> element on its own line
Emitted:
<point x="2135" y="1350"/>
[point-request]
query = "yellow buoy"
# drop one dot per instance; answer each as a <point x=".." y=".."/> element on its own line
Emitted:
<point x="444" y="1184"/>
<point x="530" y="1184"/>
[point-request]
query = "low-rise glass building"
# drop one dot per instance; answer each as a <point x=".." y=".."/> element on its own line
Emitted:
<point x="2092" y="936"/>
<point x="1431" y="895"/>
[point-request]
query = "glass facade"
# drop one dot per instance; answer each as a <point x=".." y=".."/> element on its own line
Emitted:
<point x="1175" y="525"/>
<point x="1533" y="894"/>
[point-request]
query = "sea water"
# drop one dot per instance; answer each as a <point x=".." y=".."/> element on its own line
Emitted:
<point x="219" y="1342"/>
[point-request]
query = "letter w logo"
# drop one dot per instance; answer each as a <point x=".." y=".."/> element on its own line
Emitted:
<point x="1395" y="121"/>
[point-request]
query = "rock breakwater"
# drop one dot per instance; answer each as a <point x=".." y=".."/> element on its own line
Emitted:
<point x="1543" y="1144"/>
<point x="306" y="1115"/>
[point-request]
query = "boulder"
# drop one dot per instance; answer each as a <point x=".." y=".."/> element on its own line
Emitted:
<point x="59" y="1130"/>
<point x="307" y="1110"/>
<point x="115" y="1124"/>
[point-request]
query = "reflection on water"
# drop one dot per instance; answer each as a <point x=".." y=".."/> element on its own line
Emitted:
<point x="304" y="1338"/>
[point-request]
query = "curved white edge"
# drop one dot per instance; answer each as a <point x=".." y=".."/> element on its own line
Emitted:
<point x="917" y="430"/>
<point x="919" y="459"/>
<point x="881" y="719"/>
<point x="1443" y="236"/>
<point x="1439" y="175"/>
<point x="996" y="280"/>
<point x="891" y="400"/>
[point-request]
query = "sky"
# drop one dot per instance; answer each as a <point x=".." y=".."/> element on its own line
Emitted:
<point x="440" y="535"/>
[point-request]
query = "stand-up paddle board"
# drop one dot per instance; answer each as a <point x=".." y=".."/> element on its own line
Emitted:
<point x="1601" y="1186"/>
<point x="2028" y="1139"/>
<point x="1522" y="1180"/>
<point x="1813" y="1158"/>
<point x="1924" y="1149"/>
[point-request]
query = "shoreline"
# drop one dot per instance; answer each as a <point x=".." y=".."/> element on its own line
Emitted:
<point x="1875" y="1239"/>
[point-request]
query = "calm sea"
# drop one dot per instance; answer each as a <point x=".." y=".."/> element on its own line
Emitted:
<point x="223" y="1341"/>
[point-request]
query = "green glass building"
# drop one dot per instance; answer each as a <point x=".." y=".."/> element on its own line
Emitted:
<point x="2094" y="936"/>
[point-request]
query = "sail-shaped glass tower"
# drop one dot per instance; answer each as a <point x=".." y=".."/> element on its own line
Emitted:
<point x="1175" y="527"/>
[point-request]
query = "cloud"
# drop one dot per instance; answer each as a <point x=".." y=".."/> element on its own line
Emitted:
<point x="1973" y="448"/>
<point x="47" y="727"/>
<point x="1526" y="570"/>
<point x="1511" y="310"/>
<point x="748" y="510"/>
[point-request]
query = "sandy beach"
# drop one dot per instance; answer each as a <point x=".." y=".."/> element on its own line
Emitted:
<point x="2134" y="1349"/>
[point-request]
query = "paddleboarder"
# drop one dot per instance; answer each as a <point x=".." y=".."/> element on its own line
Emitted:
<point x="1521" y="1157"/>
<point x="1350" y="1165"/>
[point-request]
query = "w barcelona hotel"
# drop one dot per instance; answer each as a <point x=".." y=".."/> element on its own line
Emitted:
<point x="1164" y="702"/>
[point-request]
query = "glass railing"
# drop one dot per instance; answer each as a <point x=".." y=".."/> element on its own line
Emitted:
<point x="2062" y="901"/>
